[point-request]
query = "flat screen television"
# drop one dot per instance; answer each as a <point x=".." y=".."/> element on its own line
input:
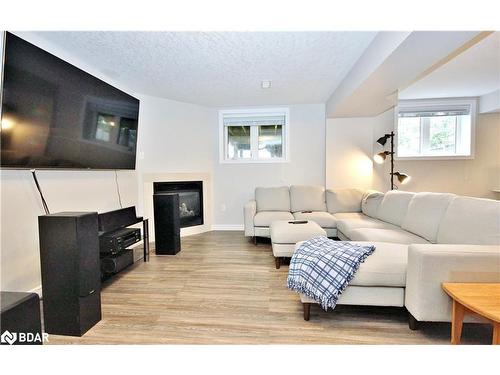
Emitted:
<point x="55" y="115"/>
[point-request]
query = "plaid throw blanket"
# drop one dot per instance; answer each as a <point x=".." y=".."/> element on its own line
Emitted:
<point x="321" y="268"/>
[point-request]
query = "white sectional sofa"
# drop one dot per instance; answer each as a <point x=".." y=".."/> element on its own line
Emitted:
<point x="421" y="239"/>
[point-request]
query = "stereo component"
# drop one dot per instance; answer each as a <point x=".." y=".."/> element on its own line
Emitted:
<point x="117" y="241"/>
<point x="115" y="263"/>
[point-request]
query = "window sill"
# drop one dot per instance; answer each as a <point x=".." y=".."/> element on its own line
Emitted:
<point x="421" y="158"/>
<point x="251" y="161"/>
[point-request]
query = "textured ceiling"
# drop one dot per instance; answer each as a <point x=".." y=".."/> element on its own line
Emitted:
<point x="221" y="68"/>
<point x="474" y="72"/>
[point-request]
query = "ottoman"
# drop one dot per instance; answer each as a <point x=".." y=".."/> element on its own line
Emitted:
<point x="285" y="234"/>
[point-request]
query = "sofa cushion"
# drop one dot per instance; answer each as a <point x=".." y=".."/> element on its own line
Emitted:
<point x="471" y="221"/>
<point x="272" y="198"/>
<point x="385" y="267"/>
<point x="307" y="198"/>
<point x="265" y="218"/>
<point x="370" y="202"/>
<point x="323" y="219"/>
<point x="395" y="235"/>
<point x="347" y="224"/>
<point x="425" y="212"/>
<point x="394" y="206"/>
<point x="344" y="200"/>
<point x="349" y="215"/>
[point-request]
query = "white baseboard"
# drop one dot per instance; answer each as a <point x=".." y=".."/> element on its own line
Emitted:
<point x="235" y="227"/>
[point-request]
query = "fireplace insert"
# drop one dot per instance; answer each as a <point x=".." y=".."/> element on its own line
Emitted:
<point x="190" y="199"/>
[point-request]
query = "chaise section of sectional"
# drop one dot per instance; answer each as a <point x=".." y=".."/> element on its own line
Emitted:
<point x="380" y="280"/>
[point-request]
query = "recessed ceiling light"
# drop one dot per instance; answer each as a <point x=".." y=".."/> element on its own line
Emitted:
<point x="265" y="84"/>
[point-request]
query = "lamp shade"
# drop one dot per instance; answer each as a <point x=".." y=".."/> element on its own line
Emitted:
<point x="380" y="157"/>
<point x="403" y="178"/>
<point x="383" y="140"/>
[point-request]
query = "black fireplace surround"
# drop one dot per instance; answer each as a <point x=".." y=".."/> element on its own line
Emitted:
<point x="190" y="199"/>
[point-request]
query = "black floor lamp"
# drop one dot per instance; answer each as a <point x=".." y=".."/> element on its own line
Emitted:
<point x="379" y="158"/>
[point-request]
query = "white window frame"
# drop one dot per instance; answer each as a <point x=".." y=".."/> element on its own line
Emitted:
<point x="254" y="139"/>
<point x="431" y="104"/>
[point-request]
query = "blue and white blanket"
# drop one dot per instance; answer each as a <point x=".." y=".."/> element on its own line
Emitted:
<point x="321" y="268"/>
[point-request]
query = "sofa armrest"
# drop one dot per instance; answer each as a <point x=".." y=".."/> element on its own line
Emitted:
<point x="249" y="212"/>
<point x="429" y="265"/>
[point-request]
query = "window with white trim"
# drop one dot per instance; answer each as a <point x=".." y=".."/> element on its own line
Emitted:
<point x="435" y="129"/>
<point x="253" y="135"/>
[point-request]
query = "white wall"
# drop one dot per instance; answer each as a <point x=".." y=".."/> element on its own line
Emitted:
<point x="176" y="136"/>
<point x="234" y="184"/>
<point x="349" y="153"/>
<point x="490" y="102"/>
<point x="473" y="177"/>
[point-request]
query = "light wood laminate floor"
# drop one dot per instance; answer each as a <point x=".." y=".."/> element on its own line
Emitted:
<point x="221" y="289"/>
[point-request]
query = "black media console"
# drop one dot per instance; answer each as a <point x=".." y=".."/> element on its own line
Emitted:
<point x="115" y="237"/>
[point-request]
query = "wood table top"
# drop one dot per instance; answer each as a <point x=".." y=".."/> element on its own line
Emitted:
<point x="481" y="298"/>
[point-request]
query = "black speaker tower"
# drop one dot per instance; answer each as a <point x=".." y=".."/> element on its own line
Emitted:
<point x="167" y="224"/>
<point x="71" y="285"/>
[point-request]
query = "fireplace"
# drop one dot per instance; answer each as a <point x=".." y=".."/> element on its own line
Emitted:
<point x="190" y="200"/>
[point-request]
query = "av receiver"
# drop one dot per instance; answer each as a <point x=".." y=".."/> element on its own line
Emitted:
<point x="117" y="241"/>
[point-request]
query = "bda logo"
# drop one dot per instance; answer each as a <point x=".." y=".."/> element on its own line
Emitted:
<point x="23" y="337"/>
<point x="8" y="338"/>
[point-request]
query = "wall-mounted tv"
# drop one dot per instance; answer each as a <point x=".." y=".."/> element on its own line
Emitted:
<point x="55" y="115"/>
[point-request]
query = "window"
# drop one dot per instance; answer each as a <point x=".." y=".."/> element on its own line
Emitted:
<point x="114" y="129"/>
<point x="256" y="135"/>
<point x="105" y="124"/>
<point x="128" y="133"/>
<point x="437" y="129"/>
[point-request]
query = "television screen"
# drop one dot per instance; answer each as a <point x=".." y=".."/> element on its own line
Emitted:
<point x="55" y="115"/>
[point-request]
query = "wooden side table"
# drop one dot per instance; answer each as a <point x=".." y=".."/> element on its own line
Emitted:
<point x="479" y="298"/>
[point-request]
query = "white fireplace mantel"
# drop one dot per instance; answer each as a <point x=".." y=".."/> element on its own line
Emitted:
<point x="148" y="180"/>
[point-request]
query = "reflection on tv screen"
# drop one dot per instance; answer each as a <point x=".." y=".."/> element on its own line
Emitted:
<point x="55" y="115"/>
